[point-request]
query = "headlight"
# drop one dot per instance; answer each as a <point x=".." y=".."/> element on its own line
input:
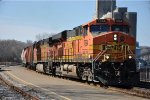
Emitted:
<point x="130" y="57"/>
<point x="89" y="56"/>
<point x="107" y="57"/>
<point x="115" y="37"/>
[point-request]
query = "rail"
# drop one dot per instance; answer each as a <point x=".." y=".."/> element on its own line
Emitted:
<point x="134" y="91"/>
<point x="17" y="89"/>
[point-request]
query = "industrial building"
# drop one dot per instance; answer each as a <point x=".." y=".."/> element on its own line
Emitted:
<point x="108" y="9"/>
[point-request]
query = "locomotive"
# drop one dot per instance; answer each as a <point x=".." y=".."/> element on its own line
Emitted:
<point x="101" y="50"/>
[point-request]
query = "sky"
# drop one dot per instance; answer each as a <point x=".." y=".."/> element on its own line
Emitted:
<point x="24" y="19"/>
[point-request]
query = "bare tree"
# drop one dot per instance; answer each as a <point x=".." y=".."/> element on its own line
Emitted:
<point x="29" y="42"/>
<point x="11" y="50"/>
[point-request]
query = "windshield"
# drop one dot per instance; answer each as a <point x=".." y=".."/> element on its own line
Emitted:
<point x="96" y="29"/>
<point x="122" y="28"/>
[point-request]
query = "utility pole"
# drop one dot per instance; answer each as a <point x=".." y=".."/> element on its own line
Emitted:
<point x="112" y="8"/>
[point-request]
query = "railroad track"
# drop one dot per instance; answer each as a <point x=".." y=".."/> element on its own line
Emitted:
<point x="7" y="94"/>
<point x="18" y="90"/>
<point x="134" y="91"/>
<point x="143" y="84"/>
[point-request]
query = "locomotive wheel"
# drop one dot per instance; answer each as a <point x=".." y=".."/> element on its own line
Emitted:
<point x="84" y="76"/>
<point x="90" y="76"/>
<point x="87" y="75"/>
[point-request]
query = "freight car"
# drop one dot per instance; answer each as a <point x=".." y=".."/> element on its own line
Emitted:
<point x="101" y="51"/>
<point x="27" y="56"/>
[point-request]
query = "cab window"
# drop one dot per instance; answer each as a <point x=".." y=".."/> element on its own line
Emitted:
<point x="120" y="28"/>
<point x="97" y="29"/>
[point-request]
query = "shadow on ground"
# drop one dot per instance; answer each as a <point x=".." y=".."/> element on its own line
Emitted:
<point x="2" y="70"/>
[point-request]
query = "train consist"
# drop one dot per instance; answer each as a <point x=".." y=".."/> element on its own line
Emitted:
<point x="101" y="50"/>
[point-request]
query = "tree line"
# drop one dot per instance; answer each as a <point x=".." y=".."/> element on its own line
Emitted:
<point x="10" y="50"/>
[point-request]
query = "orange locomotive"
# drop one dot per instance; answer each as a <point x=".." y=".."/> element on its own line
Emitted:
<point x="101" y="51"/>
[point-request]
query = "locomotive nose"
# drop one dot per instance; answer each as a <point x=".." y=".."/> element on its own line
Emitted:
<point x="116" y="45"/>
<point x="110" y="37"/>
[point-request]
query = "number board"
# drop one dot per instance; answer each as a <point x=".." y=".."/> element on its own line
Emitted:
<point x="118" y="20"/>
<point x="101" y="20"/>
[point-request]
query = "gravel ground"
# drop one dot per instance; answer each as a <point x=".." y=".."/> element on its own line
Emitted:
<point x="49" y="88"/>
<point x="7" y="94"/>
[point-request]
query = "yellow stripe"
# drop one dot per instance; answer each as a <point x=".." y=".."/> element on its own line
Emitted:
<point x="75" y="38"/>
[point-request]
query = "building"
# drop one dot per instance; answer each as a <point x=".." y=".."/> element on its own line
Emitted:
<point x="138" y="49"/>
<point x="104" y="6"/>
<point x="108" y="9"/>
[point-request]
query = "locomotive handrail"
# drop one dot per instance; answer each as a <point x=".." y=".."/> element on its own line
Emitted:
<point x="129" y="50"/>
<point x="99" y="55"/>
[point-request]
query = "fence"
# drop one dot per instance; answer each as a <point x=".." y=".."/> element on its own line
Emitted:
<point x="145" y="74"/>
